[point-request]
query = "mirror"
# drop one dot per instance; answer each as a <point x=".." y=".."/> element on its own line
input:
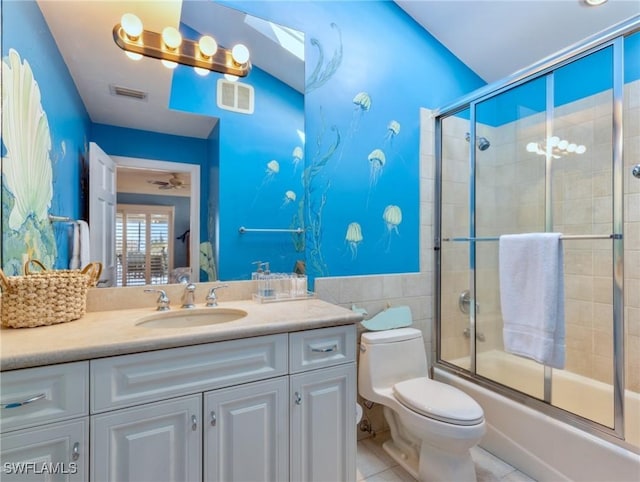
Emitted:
<point x="141" y="110"/>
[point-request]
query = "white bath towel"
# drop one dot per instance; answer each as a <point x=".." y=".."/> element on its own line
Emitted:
<point x="74" y="262"/>
<point x="83" y="235"/>
<point x="532" y="296"/>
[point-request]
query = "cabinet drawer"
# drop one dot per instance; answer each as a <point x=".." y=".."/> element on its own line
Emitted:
<point x="322" y="348"/>
<point x="34" y="396"/>
<point x="144" y="377"/>
<point x="57" y="451"/>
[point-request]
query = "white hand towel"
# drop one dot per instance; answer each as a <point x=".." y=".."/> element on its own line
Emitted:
<point x="532" y="296"/>
<point x="85" y="255"/>
<point x="74" y="262"/>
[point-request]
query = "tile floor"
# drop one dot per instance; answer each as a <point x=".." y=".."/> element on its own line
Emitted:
<point x="374" y="465"/>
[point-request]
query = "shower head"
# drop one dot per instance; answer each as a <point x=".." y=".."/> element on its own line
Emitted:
<point x="482" y="142"/>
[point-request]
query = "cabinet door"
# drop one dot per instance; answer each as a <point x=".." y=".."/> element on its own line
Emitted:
<point x="54" y="452"/>
<point x="154" y="442"/>
<point x="246" y="432"/>
<point x="323" y="425"/>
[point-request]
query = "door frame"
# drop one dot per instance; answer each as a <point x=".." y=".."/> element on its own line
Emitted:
<point x="193" y="170"/>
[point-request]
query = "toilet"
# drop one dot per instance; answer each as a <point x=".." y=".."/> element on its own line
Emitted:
<point x="433" y="425"/>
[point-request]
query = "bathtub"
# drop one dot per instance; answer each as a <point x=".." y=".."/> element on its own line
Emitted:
<point x="544" y="448"/>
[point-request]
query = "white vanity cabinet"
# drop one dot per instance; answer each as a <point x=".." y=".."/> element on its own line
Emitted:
<point x="323" y="413"/>
<point x="246" y="432"/>
<point x="153" y="442"/>
<point x="265" y="408"/>
<point x="44" y="423"/>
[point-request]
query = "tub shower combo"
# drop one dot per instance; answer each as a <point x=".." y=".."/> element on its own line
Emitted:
<point x="556" y="148"/>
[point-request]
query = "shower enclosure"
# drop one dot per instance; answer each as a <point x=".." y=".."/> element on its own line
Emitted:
<point x="552" y="149"/>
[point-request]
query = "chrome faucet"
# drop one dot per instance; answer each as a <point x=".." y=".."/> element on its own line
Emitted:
<point x="212" y="299"/>
<point x="163" y="300"/>
<point x="188" y="297"/>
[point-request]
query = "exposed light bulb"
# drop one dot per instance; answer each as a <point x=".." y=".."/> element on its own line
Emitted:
<point x="563" y="144"/>
<point x="581" y="149"/>
<point x="201" y="72"/>
<point x="133" y="55"/>
<point x="169" y="64"/>
<point x="240" y="54"/>
<point x="571" y="147"/>
<point x="171" y="37"/>
<point x="131" y="25"/>
<point x="231" y="77"/>
<point x="553" y="141"/>
<point x="208" y="46"/>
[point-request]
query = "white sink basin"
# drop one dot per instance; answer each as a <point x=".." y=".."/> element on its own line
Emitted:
<point x="186" y="318"/>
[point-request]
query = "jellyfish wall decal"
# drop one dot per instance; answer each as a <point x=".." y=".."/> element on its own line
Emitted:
<point x="377" y="160"/>
<point x="297" y="155"/>
<point x="354" y="238"/>
<point x="392" y="217"/>
<point x="289" y="197"/>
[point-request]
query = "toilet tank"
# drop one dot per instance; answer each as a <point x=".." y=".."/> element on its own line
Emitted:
<point x="389" y="357"/>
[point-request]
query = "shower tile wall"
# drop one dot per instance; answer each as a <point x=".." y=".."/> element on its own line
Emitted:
<point x="510" y="194"/>
<point x="631" y="114"/>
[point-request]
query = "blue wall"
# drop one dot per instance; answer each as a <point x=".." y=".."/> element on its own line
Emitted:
<point x="372" y="48"/>
<point x="357" y="86"/>
<point x="251" y="193"/>
<point x="25" y="31"/>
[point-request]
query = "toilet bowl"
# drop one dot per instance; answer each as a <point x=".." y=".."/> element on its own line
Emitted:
<point x="433" y="425"/>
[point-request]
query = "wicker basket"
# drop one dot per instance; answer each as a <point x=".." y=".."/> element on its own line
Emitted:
<point x="46" y="297"/>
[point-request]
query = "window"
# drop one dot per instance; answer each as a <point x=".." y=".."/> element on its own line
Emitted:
<point x="144" y="244"/>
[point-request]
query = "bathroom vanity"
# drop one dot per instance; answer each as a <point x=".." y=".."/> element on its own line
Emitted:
<point x="270" y="396"/>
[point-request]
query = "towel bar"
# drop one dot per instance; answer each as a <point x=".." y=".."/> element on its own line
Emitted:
<point x="243" y="230"/>
<point x="563" y="237"/>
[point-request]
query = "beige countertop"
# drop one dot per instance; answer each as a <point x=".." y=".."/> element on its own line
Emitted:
<point x="107" y="333"/>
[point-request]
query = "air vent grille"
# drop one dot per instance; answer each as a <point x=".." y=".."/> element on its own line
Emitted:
<point x="235" y="96"/>
<point x="126" y="92"/>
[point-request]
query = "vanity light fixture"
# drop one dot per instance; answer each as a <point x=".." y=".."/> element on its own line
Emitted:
<point x="556" y="147"/>
<point x="172" y="49"/>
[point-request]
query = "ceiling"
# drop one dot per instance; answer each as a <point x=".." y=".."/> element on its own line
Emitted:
<point x="495" y="38"/>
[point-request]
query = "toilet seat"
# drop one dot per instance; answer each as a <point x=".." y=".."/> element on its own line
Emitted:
<point x="438" y="401"/>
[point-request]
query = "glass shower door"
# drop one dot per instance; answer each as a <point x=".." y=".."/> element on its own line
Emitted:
<point x="509" y="199"/>
<point x="549" y="169"/>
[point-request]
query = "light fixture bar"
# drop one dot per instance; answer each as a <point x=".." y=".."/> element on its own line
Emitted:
<point x="151" y="44"/>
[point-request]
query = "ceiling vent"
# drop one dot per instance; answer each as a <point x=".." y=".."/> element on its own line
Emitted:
<point x="235" y="96"/>
<point x="126" y="92"/>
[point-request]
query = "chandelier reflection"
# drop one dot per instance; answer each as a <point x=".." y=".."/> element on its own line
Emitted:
<point x="556" y="147"/>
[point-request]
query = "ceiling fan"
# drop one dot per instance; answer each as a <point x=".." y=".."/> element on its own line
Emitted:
<point x="174" y="182"/>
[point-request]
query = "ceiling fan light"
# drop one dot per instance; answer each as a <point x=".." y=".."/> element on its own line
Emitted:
<point x="208" y="46"/>
<point x="131" y="25"/>
<point x="240" y="54"/>
<point x="171" y="37"/>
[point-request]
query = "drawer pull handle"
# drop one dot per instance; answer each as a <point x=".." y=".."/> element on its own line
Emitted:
<point x="327" y="349"/>
<point x="194" y="422"/>
<point x="298" y="398"/>
<point x="75" y="455"/>
<point x="214" y="420"/>
<point x="24" y="402"/>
